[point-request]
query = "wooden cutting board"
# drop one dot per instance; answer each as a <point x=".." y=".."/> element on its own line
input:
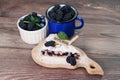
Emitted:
<point x="84" y="61"/>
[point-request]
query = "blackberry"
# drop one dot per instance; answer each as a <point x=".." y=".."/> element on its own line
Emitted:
<point x="42" y="25"/>
<point x="27" y="18"/>
<point x="38" y="19"/>
<point x="43" y="20"/>
<point x="31" y="25"/>
<point x="50" y="43"/>
<point x="72" y="12"/>
<point x="35" y="28"/>
<point x="56" y="7"/>
<point x="71" y="60"/>
<point x="22" y="25"/>
<point x="67" y="17"/>
<point x="42" y="17"/>
<point x="66" y="9"/>
<point x="34" y="14"/>
<point x="59" y="15"/>
<point x="52" y="15"/>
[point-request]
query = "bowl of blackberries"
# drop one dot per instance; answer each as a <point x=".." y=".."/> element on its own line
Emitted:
<point x="61" y="13"/>
<point x="32" y="27"/>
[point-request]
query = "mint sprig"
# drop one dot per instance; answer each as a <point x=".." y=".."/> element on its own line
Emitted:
<point x="63" y="36"/>
<point x="38" y="25"/>
<point x="33" y="19"/>
<point x="26" y="22"/>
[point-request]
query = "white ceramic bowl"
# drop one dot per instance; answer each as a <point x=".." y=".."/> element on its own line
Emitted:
<point x="32" y="37"/>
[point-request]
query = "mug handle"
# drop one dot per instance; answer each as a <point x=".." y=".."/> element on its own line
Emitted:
<point x="82" y="23"/>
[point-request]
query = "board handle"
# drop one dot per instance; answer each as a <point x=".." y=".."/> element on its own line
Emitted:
<point x="92" y="67"/>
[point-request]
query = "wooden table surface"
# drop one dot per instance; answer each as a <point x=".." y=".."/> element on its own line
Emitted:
<point x="100" y="39"/>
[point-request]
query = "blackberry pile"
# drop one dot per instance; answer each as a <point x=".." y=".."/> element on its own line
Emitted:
<point x="61" y="14"/>
<point x="32" y="22"/>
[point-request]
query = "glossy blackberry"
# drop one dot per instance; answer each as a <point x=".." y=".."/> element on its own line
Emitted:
<point x="59" y="15"/>
<point x="71" y="60"/>
<point x="56" y="7"/>
<point x="42" y="17"/>
<point x="67" y="17"/>
<point x="27" y="18"/>
<point x="52" y="15"/>
<point x="38" y="19"/>
<point x="34" y="14"/>
<point x="42" y="25"/>
<point x="35" y="28"/>
<point x="50" y="43"/>
<point x="72" y="12"/>
<point x="31" y="25"/>
<point x="22" y="25"/>
<point x="66" y="9"/>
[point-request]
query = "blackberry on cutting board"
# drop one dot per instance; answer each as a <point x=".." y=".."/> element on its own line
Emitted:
<point x="71" y="60"/>
<point x="50" y="43"/>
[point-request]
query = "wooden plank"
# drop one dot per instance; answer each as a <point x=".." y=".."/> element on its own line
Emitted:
<point x="18" y="64"/>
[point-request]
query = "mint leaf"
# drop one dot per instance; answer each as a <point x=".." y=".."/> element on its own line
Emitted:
<point x="38" y="25"/>
<point x="63" y="36"/>
<point x="32" y="18"/>
<point x="26" y="22"/>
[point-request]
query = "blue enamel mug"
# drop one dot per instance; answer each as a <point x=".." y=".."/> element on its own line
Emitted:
<point x="68" y="26"/>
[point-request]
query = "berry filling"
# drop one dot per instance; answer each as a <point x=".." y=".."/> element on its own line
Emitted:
<point x="59" y="53"/>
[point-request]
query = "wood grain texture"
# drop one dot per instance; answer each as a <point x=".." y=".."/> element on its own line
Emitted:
<point x="100" y="39"/>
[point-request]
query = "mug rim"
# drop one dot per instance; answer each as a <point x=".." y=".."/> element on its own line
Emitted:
<point x="76" y="14"/>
